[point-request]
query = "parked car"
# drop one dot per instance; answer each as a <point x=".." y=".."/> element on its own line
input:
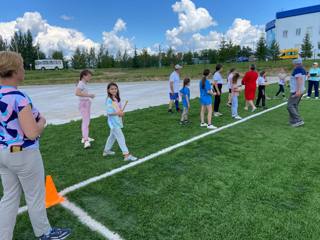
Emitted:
<point x="242" y="59"/>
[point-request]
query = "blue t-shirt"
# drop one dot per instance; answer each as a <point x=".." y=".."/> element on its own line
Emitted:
<point x="297" y="72"/>
<point x="185" y="91"/>
<point x="114" y="121"/>
<point x="314" y="74"/>
<point x="12" y="102"/>
<point x="205" y="97"/>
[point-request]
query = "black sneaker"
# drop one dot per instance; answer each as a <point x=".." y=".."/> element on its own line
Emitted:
<point x="170" y="111"/>
<point x="178" y="110"/>
<point x="56" y="234"/>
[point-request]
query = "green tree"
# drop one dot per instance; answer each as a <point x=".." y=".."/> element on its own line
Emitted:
<point x="3" y="44"/>
<point x="91" y="58"/>
<point x="306" y="47"/>
<point x="223" y="51"/>
<point x="135" y="59"/>
<point x="30" y="52"/>
<point x="79" y="59"/>
<point x="262" y="49"/>
<point x="245" y="52"/>
<point x="187" y="58"/>
<point x="274" y="50"/>
<point x="57" y="55"/>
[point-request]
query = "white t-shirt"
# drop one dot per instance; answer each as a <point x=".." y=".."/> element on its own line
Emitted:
<point x="261" y="81"/>
<point x="230" y="80"/>
<point x="175" y="78"/>
<point x="218" y="78"/>
<point x="84" y="89"/>
<point x="282" y="78"/>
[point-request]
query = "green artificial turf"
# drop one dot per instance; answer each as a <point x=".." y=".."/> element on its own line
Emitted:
<point x="257" y="180"/>
<point x="182" y="194"/>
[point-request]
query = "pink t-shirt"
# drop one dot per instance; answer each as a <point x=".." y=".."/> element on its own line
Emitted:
<point x="234" y="90"/>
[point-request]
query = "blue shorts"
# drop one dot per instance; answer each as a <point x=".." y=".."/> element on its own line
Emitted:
<point x="174" y="96"/>
<point x="206" y="100"/>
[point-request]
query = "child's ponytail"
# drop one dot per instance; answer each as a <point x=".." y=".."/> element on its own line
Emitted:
<point x="206" y="73"/>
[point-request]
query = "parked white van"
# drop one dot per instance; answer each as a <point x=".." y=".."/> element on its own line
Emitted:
<point x="45" y="64"/>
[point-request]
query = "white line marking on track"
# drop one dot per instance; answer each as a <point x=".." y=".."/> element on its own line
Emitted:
<point x="89" y="221"/>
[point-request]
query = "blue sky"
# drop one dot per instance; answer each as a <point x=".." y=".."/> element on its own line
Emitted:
<point x="146" y="20"/>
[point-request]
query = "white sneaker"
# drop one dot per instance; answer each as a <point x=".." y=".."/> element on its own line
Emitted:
<point x="87" y="144"/>
<point x="203" y="125"/>
<point x="211" y="127"/>
<point x="217" y="114"/>
<point x="307" y="97"/>
<point x="253" y="109"/>
<point x="316" y="98"/>
<point x="89" y="139"/>
<point x="108" y="153"/>
<point x="130" y="158"/>
<point x="237" y="117"/>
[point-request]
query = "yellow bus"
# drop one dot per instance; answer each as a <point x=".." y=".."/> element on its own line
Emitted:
<point x="290" y="53"/>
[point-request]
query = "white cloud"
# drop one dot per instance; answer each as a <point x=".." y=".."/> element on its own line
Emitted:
<point x="192" y="20"/>
<point x="212" y="41"/>
<point x="50" y="38"/>
<point x="7" y="30"/>
<point x="114" y="43"/>
<point x="243" y="33"/>
<point x="66" y="17"/>
<point x="63" y="39"/>
<point x="31" y="21"/>
<point x="119" y="26"/>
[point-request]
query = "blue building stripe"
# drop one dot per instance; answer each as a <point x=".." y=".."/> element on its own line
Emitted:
<point x="298" y="11"/>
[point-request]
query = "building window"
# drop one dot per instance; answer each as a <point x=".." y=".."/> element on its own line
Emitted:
<point x="309" y="31"/>
<point x="285" y="34"/>
<point x="298" y="31"/>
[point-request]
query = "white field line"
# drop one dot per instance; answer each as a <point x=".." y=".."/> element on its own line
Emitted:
<point x="89" y="221"/>
<point x="161" y="152"/>
<point x="156" y="154"/>
<point x="98" y="227"/>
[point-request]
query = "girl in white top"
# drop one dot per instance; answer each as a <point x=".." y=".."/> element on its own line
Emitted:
<point x="229" y="83"/>
<point x="85" y="105"/>
<point x="282" y="81"/>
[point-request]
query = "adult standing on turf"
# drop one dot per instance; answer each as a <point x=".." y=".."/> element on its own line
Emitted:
<point x="174" y="87"/>
<point x="217" y="85"/>
<point x="21" y="166"/>
<point x="250" y="82"/>
<point x="297" y="88"/>
<point x="314" y="78"/>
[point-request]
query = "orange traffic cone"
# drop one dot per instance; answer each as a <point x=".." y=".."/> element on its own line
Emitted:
<point x="52" y="196"/>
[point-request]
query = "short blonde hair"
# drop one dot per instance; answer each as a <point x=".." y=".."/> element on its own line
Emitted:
<point x="10" y="62"/>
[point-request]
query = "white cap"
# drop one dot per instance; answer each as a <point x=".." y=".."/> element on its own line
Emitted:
<point x="176" y="67"/>
<point x="315" y="63"/>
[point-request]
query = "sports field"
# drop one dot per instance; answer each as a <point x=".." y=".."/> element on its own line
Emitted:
<point x="258" y="179"/>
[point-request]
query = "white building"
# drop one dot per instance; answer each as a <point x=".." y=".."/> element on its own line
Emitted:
<point x="290" y="27"/>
